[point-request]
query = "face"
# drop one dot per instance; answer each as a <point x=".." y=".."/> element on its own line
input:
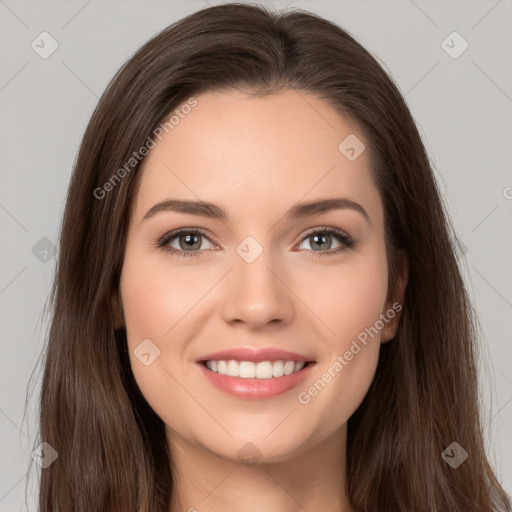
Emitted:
<point x="272" y="275"/>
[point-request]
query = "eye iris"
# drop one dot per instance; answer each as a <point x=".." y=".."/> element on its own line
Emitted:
<point x="316" y="237"/>
<point x="191" y="242"/>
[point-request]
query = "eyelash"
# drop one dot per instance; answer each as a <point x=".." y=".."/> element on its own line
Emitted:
<point x="346" y="240"/>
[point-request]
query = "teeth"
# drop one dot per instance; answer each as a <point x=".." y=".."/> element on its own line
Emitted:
<point x="289" y="367"/>
<point x="264" y="370"/>
<point x="250" y="370"/>
<point x="222" y="367"/>
<point x="298" y="366"/>
<point x="277" y="369"/>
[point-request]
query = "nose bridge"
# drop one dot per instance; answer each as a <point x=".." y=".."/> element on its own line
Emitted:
<point x="256" y="291"/>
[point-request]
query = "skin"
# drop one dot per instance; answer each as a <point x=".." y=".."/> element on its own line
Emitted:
<point x="256" y="158"/>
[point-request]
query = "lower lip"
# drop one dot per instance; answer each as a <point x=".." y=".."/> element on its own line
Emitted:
<point x="256" y="389"/>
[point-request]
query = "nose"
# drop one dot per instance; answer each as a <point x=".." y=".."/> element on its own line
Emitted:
<point x="257" y="294"/>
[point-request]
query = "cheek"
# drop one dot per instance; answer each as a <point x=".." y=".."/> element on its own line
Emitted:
<point x="347" y="298"/>
<point x="350" y="304"/>
<point x="153" y="303"/>
<point x="155" y="296"/>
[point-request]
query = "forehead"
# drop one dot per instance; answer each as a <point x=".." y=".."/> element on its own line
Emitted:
<point x="248" y="152"/>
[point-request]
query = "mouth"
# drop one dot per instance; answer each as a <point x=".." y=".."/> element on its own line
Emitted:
<point x="255" y="370"/>
<point x="256" y="380"/>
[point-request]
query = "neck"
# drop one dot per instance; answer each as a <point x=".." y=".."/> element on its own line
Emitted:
<point x="312" y="479"/>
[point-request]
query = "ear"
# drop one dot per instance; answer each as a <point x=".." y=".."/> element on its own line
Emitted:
<point x="395" y="301"/>
<point x="117" y="309"/>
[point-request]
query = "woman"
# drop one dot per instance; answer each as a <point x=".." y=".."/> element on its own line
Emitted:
<point x="257" y="304"/>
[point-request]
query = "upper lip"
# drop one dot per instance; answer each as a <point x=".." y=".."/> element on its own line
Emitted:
<point x="256" y="355"/>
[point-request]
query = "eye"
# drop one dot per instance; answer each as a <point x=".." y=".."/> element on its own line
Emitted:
<point x="189" y="242"/>
<point x="322" y="239"/>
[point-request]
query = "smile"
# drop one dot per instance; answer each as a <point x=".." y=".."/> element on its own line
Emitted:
<point x="249" y="380"/>
<point x="251" y="370"/>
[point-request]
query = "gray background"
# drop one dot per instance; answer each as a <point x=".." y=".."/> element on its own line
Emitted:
<point x="463" y="108"/>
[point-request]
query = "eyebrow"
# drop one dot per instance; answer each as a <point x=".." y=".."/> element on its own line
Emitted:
<point x="210" y="210"/>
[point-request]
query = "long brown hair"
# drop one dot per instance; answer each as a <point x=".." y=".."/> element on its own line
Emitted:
<point x="112" y="449"/>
